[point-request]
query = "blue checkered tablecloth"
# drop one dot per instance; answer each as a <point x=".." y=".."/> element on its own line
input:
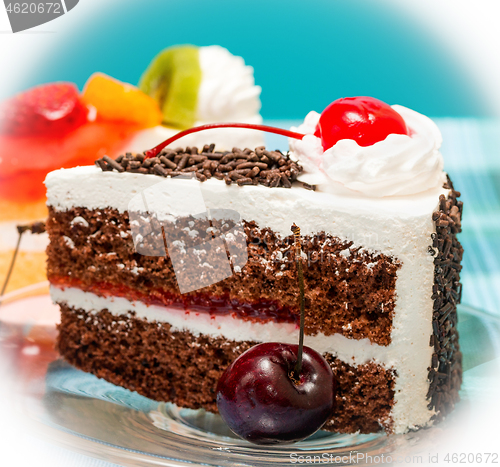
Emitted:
<point x="471" y="150"/>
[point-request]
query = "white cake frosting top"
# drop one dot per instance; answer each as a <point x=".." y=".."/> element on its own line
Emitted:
<point x="378" y="224"/>
<point x="397" y="166"/>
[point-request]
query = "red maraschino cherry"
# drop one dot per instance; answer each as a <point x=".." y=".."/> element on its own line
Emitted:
<point x="278" y="393"/>
<point x="365" y="120"/>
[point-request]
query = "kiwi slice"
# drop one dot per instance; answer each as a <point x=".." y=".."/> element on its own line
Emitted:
<point x="173" y="78"/>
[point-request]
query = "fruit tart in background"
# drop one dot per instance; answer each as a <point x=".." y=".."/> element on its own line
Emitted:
<point x="49" y="127"/>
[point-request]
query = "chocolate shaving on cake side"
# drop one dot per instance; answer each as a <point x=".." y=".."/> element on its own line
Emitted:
<point x="243" y="167"/>
<point x="445" y="372"/>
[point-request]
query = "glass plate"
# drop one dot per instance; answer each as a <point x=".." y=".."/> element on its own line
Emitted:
<point x="81" y="412"/>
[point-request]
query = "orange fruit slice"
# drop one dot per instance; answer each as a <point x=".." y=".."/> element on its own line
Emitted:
<point x="118" y="101"/>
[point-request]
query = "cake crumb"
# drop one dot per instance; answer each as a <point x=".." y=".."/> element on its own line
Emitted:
<point x="79" y="220"/>
<point x="69" y="242"/>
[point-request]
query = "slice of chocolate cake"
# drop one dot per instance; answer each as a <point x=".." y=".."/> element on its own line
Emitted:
<point x="164" y="280"/>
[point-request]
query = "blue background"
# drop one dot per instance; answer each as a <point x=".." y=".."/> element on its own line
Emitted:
<point x="305" y="54"/>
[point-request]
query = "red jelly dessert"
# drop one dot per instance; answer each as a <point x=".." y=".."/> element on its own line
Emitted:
<point x="53" y="126"/>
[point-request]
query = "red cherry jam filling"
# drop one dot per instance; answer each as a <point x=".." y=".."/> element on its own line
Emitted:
<point x="365" y="120"/>
<point x="256" y="311"/>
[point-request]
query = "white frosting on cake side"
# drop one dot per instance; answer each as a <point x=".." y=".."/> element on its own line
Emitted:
<point x="397" y="166"/>
<point x="396" y="226"/>
<point x="377" y="224"/>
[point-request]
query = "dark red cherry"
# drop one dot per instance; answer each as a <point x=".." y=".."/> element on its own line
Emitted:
<point x="365" y="120"/>
<point x="261" y="401"/>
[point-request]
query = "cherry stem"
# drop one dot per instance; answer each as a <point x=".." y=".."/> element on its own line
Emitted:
<point x="270" y="129"/>
<point x="298" y="253"/>
<point x="11" y="267"/>
<point x="36" y="228"/>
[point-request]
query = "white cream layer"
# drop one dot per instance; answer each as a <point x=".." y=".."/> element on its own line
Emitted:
<point x="396" y="226"/>
<point x="348" y="350"/>
<point x="379" y="224"/>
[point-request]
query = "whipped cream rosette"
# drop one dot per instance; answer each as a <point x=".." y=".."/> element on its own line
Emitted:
<point x="399" y="165"/>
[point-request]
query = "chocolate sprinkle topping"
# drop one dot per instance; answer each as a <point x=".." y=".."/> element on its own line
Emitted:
<point x="243" y="167"/>
<point x="445" y="372"/>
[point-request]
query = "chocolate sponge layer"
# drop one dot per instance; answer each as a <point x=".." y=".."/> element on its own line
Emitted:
<point x="348" y="291"/>
<point x="179" y="367"/>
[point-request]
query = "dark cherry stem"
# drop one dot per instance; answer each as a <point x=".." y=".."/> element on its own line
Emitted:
<point x="11" y="267"/>
<point x="36" y="228"/>
<point x="269" y="129"/>
<point x="298" y="366"/>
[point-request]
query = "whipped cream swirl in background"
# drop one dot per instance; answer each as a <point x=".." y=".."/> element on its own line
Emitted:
<point x="227" y="93"/>
<point x="397" y="166"/>
<point x="227" y="90"/>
